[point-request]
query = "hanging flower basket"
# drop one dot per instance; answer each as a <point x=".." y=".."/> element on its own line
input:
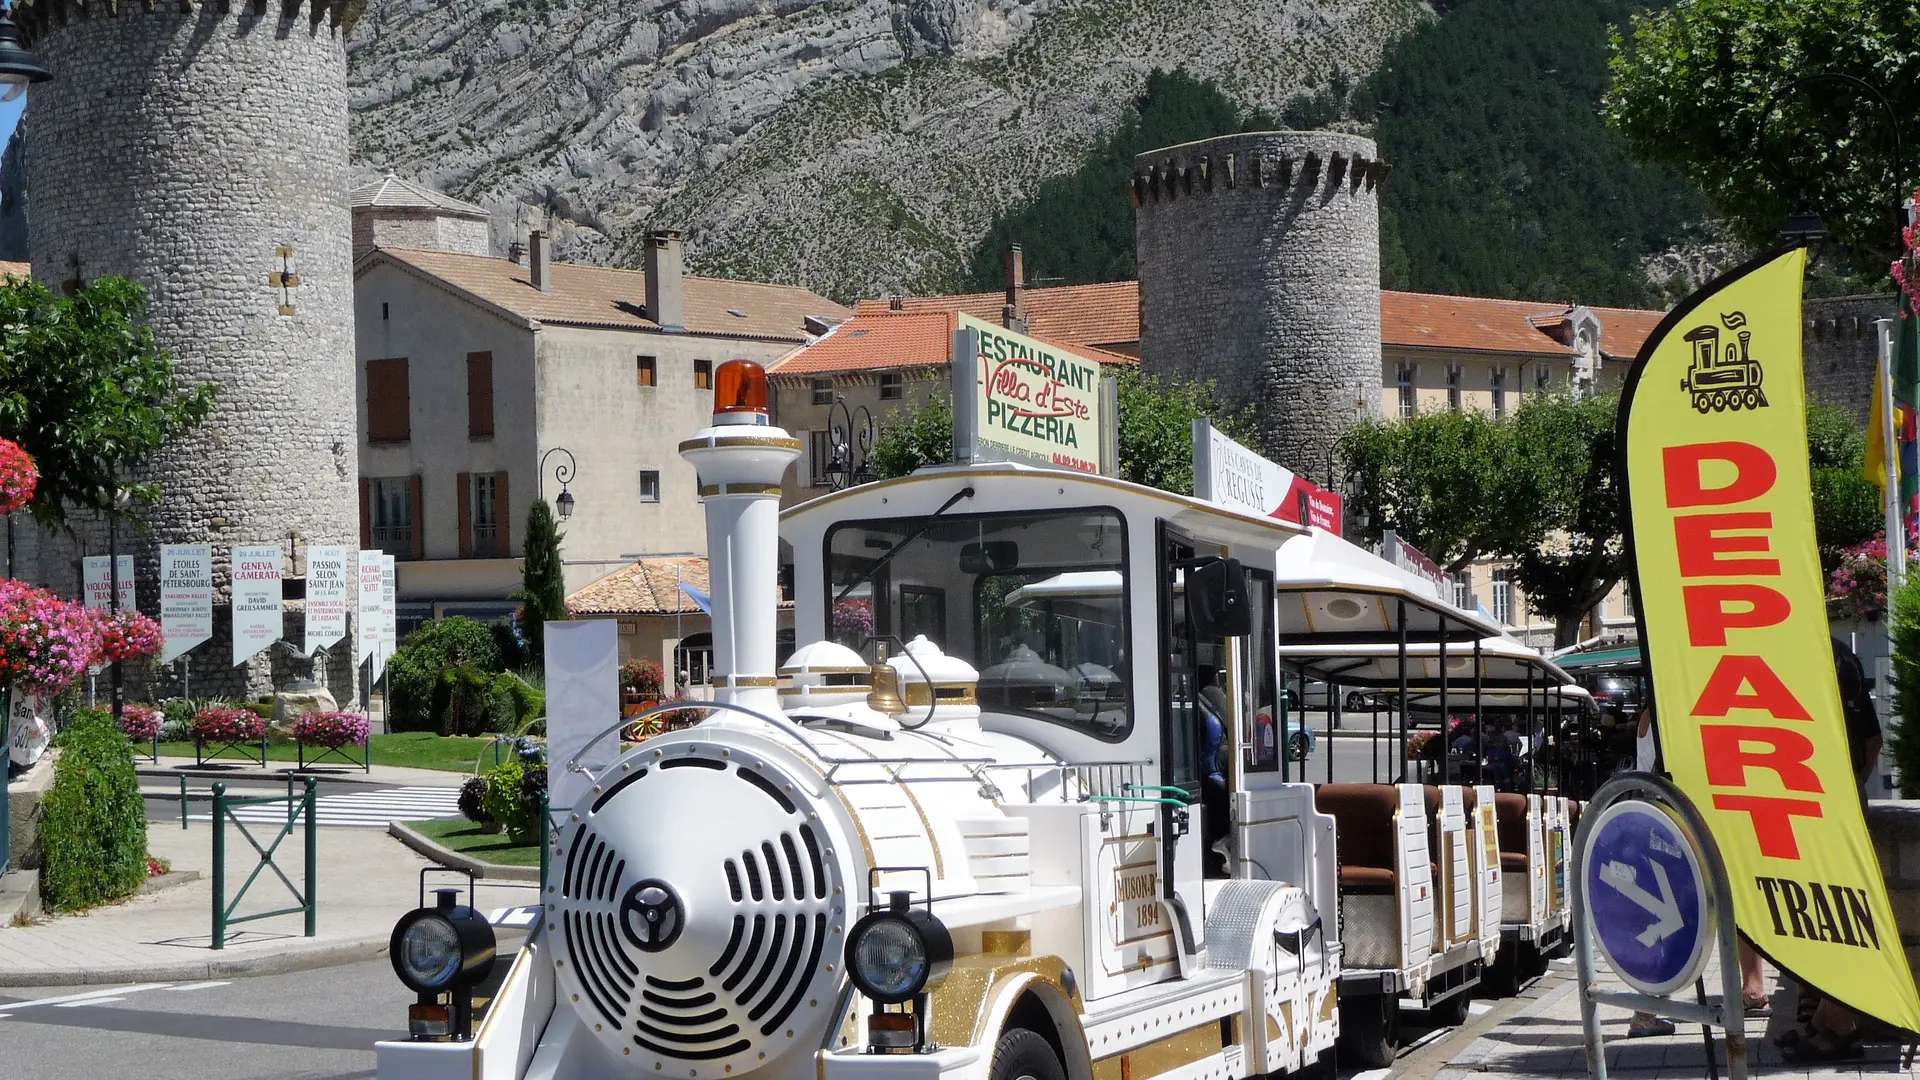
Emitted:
<point x="45" y="642"/>
<point x="128" y="636"/>
<point x="18" y="477"/>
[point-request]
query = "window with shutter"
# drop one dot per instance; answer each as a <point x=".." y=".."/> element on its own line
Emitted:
<point x="388" y="403"/>
<point x="703" y="374"/>
<point x="480" y="395"/>
<point x="645" y="371"/>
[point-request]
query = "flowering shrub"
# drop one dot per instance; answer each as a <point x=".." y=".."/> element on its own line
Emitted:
<point x="1417" y="744"/>
<point x="141" y="723"/>
<point x="18" y="477"/>
<point x="128" y="636"/>
<point x="45" y="642"/>
<point x="644" y="678"/>
<point x="1858" y="587"/>
<point x="473" y="797"/>
<point x="225" y="724"/>
<point x="332" y="730"/>
<point x="1906" y="269"/>
<point x="853" y="617"/>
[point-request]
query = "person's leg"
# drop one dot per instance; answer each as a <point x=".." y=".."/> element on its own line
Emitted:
<point x="1753" y="980"/>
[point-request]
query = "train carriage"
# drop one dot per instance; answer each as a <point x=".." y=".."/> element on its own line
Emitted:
<point x="1016" y="808"/>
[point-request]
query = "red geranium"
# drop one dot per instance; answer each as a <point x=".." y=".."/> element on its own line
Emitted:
<point x="220" y="724"/>
<point x="18" y="477"/>
<point x="128" y="636"/>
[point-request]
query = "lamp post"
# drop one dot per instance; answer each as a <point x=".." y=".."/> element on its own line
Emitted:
<point x="850" y="432"/>
<point x="1803" y="222"/>
<point x="562" y="472"/>
<point x="120" y="502"/>
<point x="19" y="67"/>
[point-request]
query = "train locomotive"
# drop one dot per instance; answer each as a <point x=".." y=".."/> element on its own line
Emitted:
<point x="1038" y="836"/>
<point x="1721" y="380"/>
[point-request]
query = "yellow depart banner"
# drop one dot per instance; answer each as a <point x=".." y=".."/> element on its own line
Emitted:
<point x="1734" y="628"/>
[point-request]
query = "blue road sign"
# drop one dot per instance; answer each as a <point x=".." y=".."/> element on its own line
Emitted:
<point x="1646" y="895"/>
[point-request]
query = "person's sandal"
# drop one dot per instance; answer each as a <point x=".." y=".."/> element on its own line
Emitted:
<point x="1757" y="1007"/>
<point x="1643" y="1026"/>
<point x="1815" y="1047"/>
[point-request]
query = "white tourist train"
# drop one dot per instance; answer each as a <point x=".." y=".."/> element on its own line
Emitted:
<point x="1053" y="835"/>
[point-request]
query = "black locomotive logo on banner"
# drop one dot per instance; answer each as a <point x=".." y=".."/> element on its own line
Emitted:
<point x="1723" y="379"/>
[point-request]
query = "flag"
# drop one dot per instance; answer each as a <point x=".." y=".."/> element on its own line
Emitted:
<point x="702" y="600"/>
<point x="1726" y="577"/>
<point x="1877" y="430"/>
<point x="1906" y="396"/>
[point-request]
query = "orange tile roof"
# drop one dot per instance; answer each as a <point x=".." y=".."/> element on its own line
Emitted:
<point x="1107" y="313"/>
<point x="16" y="270"/>
<point x="1625" y="330"/>
<point x="900" y="339"/>
<point x="602" y="296"/>
<point x="648" y="587"/>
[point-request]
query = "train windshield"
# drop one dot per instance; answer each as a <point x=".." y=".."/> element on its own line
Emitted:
<point x="1035" y="601"/>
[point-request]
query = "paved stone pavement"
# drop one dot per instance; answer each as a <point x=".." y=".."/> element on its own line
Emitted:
<point x="203" y="776"/>
<point x="365" y="881"/>
<point x="1544" y="1039"/>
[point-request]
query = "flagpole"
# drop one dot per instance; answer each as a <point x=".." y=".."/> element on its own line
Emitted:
<point x="1890" y="502"/>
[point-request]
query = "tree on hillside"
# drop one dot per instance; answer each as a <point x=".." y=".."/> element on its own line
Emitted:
<point x="543" y="589"/>
<point x="1078" y="227"/>
<point x="87" y="392"/>
<point x="1156" y="430"/>
<point x="1691" y="82"/>
<point x="1506" y="182"/>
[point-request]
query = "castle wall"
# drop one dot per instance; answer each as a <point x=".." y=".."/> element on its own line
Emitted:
<point x="1260" y="270"/>
<point x="184" y="149"/>
<point x="421" y="230"/>
<point x="1842" y="349"/>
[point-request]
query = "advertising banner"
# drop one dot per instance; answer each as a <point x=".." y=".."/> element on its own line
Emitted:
<point x="1227" y="473"/>
<point x="1733" y="625"/>
<point x="186" y="598"/>
<point x="97" y="581"/>
<point x="583" y="699"/>
<point x="1414" y="561"/>
<point x="389" y="612"/>
<point x="257" y="614"/>
<point x="329" y="592"/>
<point x="1030" y="401"/>
<point x="367" y="639"/>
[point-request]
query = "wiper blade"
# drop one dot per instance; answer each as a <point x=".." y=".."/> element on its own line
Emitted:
<point x="880" y="564"/>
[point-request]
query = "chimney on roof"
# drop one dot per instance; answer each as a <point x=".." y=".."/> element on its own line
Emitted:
<point x="897" y="303"/>
<point x="516" y="252"/>
<point x="665" y="265"/>
<point x="1016" y="280"/>
<point x="538" y="257"/>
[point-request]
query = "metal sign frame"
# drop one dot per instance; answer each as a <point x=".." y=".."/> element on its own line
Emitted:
<point x="1730" y="1015"/>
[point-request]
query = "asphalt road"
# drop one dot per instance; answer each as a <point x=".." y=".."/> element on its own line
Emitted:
<point x="317" y="1025"/>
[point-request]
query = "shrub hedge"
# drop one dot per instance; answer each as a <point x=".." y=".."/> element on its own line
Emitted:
<point x="1903" y="741"/>
<point x="93" y="827"/>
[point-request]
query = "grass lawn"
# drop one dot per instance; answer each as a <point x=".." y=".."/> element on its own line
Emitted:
<point x="466" y="838"/>
<point x="411" y="749"/>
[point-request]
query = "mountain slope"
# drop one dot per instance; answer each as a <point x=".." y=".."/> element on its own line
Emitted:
<point x="853" y="146"/>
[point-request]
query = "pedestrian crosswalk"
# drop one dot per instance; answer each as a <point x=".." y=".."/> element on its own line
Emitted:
<point x="359" y="809"/>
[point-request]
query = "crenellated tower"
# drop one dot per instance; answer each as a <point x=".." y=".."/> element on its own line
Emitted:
<point x="200" y="147"/>
<point x="1260" y="270"/>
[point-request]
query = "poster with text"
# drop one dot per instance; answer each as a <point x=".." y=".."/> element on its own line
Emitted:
<point x="97" y="581"/>
<point x="389" y="612"/>
<point x="367" y="639"/>
<point x="1229" y="474"/>
<point x="257" y="612"/>
<point x="1031" y="400"/>
<point x="186" y="598"/>
<point x="583" y="700"/>
<point x="329" y="592"/>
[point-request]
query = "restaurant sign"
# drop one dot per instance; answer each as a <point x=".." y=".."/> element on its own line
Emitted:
<point x="1031" y="401"/>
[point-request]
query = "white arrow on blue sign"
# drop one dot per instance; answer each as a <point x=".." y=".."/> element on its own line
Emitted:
<point x="1647" y="897"/>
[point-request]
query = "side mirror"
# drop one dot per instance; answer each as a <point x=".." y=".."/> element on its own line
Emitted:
<point x="1217" y="600"/>
<point x="992" y="557"/>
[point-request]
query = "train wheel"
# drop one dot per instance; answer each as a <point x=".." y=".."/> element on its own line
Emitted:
<point x="1452" y="1012"/>
<point x="1370" y="1030"/>
<point x="1752" y="398"/>
<point x="1502" y="978"/>
<point x="1533" y="961"/>
<point x="1719" y="401"/>
<point x="1022" y="1054"/>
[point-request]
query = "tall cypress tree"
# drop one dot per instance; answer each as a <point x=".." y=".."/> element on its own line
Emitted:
<point x="543" y="590"/>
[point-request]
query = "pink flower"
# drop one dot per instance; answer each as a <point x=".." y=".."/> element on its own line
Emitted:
<point x="332" y="730"/>
<point x="18" y="477"/>
<point x="45" y="642"/>
<point x="220" y="724"/>
<point x="128" y="636"/>
<point x="141" y="723"/>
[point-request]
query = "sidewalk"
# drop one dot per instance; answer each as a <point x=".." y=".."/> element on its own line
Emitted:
<point x="365" y="881"/>
<point x="1544" y="1039"/>
<point x="203" y="776"/>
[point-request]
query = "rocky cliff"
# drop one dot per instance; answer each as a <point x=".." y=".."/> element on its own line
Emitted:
<point x="859" y="147"/>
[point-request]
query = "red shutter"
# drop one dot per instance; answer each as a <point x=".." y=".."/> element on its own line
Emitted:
<point x="465" y="520"/>
<point x="480" y="395"/>
<point x="419" y="517"/>
<point x="366" y="514"/>
<point x="502" y="517"/>
<point x="388" y="405"/>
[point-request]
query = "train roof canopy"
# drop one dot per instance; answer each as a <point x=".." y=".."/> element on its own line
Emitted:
<point x="1504" y="664"/>
<point x="1336" y="593"/>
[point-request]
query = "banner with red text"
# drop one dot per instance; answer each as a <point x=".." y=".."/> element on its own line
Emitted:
<point x="1230" y="474"/>
<point x="1733" y="625"/>
<point x="1031" y="401"/>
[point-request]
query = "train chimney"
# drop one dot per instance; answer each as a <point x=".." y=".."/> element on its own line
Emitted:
<point x="741" y="458"/>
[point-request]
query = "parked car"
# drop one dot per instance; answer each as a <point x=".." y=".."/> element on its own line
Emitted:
<point x="1315" y="698"/>
<point x="1614" y="691"/>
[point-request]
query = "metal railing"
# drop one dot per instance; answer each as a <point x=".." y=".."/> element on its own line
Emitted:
<point x="300" y="810"/>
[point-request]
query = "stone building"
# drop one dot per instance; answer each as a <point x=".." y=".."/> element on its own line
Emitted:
<point x="1260" y="270"/>
<point x="201" y="150"/>
<point x="1842" y="349"/>
<point x="482" y="379"/>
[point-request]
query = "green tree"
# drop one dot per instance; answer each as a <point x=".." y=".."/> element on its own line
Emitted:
<point x="1903" y="742"/>
<point x="1846" y="505"/>
<point x="1438" y="480"/>
<point x="1691" y="82"/>
<point x="1563" y="454"/>
<point x="543" y="588"/>
<point x="418" y="671"/>
<point x="1155" y="436"/>
<point x="93" y="823"/>
<point x="1506" y="181"/>
<point x="1078" y="227"/>
<point x="86" y="391"/>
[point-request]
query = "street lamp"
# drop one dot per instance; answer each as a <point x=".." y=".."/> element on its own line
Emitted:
<point x="1803" y="222"/>
<point x="18" y="64"/>
<point x="562" y="472"/>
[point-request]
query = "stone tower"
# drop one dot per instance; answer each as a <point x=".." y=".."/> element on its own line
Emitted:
<point x="199" y="147"/>
<point x="1260" y="270"/>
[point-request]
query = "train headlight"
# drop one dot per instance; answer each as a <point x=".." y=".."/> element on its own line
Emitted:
<point x="894" y="954"/>
<point x="443" y="948"/>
